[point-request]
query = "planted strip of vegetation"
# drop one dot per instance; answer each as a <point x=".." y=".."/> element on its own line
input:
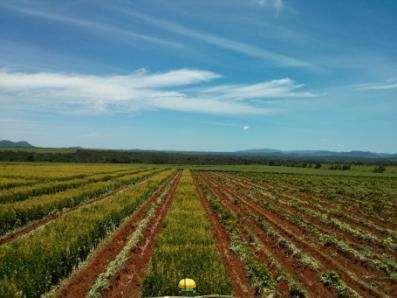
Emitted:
<point x="369" y="196"/>
<point x="23" y="193"/>
<point x="185" y="248"/>
<point x="316" y="204"/>
<point x="258" y="274"/>
<point x="266" y="220"/>
<point x="365" y="257"/>
<point x="114" y="266"/>
<point x="14" y="215"/>
<point x="33" y="264"/>
<point x="6" y="183"/>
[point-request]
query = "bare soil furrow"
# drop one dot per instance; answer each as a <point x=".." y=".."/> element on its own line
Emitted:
<point x="128" y="281"/>
<point x="286" y="208"/>
<point x="317" y="204"/>
<point x="292" y="232"/>
<point x="308" y="278"/>
<point x="353" y="207"/>
<point x="237" y="273"/>
<point x="81" y="281"/>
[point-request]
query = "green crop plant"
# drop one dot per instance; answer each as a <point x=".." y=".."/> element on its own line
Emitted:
<point x="259" y="276"/>
<point x="331" y="279"/>
<point x="25" y="192"/>
<point x="14" y="215"/>
<point x="104" y="278"/>
<point x="365" y="257"/>
<point x="37" y="262"/>
<point x="186" y="249"/>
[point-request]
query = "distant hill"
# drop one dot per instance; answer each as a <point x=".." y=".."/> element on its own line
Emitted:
<point x="316" y="153"/>
<point x="10" y="144"/>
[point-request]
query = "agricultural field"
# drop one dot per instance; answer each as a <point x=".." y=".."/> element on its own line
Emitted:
<point x="115" y="230"/>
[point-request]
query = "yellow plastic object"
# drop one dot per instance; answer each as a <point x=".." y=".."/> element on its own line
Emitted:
<point x="187" y="284"/>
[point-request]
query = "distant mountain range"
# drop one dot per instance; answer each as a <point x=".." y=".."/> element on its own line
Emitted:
<point x="10" y="144"/>
<point x="317" y="153"/>
<point x="265" y="152"/>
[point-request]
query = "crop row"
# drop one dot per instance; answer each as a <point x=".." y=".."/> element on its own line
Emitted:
<point x="322" y="224"/>
<point x="33" y="264"/>
<point x="26" y="192"/>
<point x="259" y="276"/>
<point x="332" y="209"/>
<point x="264" y="250"/>
<point x="17" y="214"/>
<point x="186" y="248"/>
<point x="50" y="171"/>
<point x="7" y="183"/>
<point x="276" y="234"/>
<point x="135" y="254"/>
<point x="284" y="231"/>
<point x="372" y="196"/>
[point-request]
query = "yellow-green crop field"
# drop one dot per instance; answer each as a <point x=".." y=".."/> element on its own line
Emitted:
<point x="131" y="230"/>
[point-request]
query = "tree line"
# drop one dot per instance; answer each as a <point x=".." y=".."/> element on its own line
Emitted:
<point x="170" y="157"/>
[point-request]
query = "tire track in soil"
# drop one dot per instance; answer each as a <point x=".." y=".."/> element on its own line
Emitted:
<point x="34" y="225"/>
<point x="235" y="267"/>
<point x="82" y="280"/>
<point x="306" y="277"/>
<point x="285" y="229"/>
<point x="128" y="281"/>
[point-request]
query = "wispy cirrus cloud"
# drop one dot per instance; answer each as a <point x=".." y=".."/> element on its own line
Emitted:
<point x="220" y="42"/>
<point x="141" y="90"/>
<point x="281" y="88"/>
<point x="388" y="85"/>
<point x="111" y="31"/>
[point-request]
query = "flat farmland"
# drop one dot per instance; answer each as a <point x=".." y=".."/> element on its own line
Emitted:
<point x="115" y="230"/>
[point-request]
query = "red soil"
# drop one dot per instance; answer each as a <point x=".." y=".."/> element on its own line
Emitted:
<point x="363" y="270"/>
<point x="128" y="281"/>
<point x="353" y="208"/>
<point x="354" y="241"/>
<point x="307" y="277"/>
<point x="80" y="282"/>
<point x="234" y="266"/>
<point x="292" y="233"/>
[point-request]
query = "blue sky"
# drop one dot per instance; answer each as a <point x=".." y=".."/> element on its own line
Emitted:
<point x="200" y="75"/>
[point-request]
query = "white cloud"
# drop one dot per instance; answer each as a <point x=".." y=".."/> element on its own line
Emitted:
<point x="282" y="88"/>
<point x="221" y="42"/>
<point x="246" y="127"/>
<point x="388" y="85"/>
<point x="140" y="90"/>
